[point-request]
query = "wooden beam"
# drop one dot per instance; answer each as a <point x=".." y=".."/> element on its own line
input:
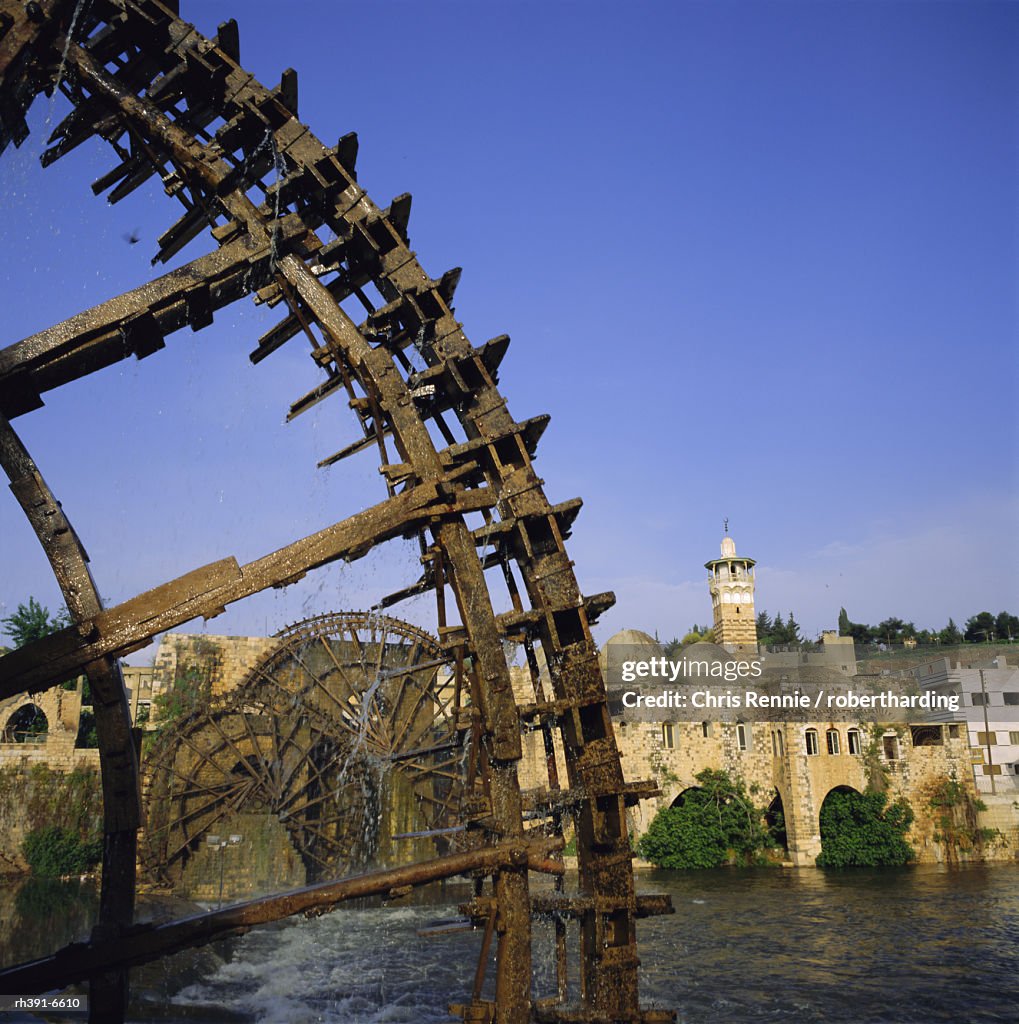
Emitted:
<point x="143" y="943"/>
<point x="207" y="591"/>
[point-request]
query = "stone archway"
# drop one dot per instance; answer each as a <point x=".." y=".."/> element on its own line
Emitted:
<point x="27" y="724"/>
<point x="682" y="796"/>
<point x="821" y="831"/>
<point x="775" y="816"/>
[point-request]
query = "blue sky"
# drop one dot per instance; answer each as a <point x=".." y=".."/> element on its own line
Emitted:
<point x="758" y="260"/>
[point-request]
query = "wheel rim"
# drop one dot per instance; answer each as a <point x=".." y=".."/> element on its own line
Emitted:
<point x="457" y="466"/>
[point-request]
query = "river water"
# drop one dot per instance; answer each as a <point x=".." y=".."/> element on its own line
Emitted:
<point x="912" y="945"/>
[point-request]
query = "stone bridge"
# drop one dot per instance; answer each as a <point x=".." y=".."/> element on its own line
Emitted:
<point x="793" y="766"/>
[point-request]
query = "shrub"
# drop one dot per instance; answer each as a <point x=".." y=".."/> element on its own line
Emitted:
<point x="715" y="824"/>
<point x="863" y="830"/>
<point x="54" y="851"/>
<point x="955" y="815"/>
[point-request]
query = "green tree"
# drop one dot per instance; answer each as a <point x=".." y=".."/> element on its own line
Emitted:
<point x="88" y="735"/>
<point x="672" y="647"/>
<point x="781" y="632"/>
<point x="861" y="633"/>
<point x="980" y="628"/>
<point x="792" y="630"/>
<point x="863" y="830"/>
<point x="30" y="622"/>
<point x="763" y="624"/>
<point x="890" y="631"/>
<point x="699" y="634"/>
<point x="716" y="823"/>
<point x="844" y="624"/>
<point x="777" y="630"/>
<point x="950" y="634"/>
<point x="1006" y="626"/>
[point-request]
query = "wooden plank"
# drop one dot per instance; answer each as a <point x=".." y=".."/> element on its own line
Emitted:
<point x="96" y="338"/>
<point x="206" y="591"/>
<point x="143" y="943"/>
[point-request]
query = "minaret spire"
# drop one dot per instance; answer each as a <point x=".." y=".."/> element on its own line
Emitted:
<point x="731" y="582"/>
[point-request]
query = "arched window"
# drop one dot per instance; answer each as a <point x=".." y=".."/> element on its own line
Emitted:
<point x="833" y="741"/>
<point x="855" y="744"/>
<point x="810" y="736"/>
<point x="705" y="729"/>
<point x="781" y="748"/>
<point x="743" y="736"/>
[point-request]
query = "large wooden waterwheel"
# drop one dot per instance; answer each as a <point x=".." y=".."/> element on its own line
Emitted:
<point x="291" y="226"/>
<point x="345" y="733"/>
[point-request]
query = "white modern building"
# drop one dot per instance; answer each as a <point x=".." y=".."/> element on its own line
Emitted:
<point x="989" y="709"/>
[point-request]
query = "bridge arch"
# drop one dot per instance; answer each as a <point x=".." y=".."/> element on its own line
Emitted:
<point x="681" y="797"/>
<point x="776" y="819"/>
<point x="27" y="723"/>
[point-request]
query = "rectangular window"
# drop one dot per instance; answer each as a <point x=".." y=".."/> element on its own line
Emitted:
<point x="1013" y="737"/>
<point x="855" y="746"/>
<point x="983" y="738"/>
<point x="953" y="732"/>
<point x="705" y="729"/>
<point x="992" y="769"/>
<point x="811" y="741"/>
<point x="668" y="735"/>
<point x="1011" y="698"/>
<point x="978" y="699"/>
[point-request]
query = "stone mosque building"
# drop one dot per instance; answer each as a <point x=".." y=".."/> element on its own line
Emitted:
<point x="790" y="767"/>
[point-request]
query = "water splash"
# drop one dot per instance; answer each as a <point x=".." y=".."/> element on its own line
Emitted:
<point x="68" y="39"/>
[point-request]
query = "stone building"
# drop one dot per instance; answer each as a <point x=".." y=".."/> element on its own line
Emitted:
<point x="791" y="767"/>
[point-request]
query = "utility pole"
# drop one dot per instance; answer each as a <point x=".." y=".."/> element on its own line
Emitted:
<point x="987" y="733"/>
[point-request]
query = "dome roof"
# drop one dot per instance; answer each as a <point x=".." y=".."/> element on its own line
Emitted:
<point x="633" y="637"/>
<point x="624" y="646"/>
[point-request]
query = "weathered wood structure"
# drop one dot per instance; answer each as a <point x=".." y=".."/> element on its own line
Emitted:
<point x="177" y="107"/>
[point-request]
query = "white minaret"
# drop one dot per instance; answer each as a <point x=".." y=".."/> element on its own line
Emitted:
<point x="731" y="582"/>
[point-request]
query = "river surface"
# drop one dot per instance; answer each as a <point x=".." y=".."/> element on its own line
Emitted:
<point x="912" y="945"/>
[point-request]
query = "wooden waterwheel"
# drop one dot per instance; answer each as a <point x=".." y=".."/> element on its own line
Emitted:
<point x="290" y="225"/>
<point x="346" y="733"/>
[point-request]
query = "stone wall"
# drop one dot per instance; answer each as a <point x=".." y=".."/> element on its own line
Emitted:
<point x="226" y="659"/>
<point x="770" y="767"/>
<point x="263" y="860"/>
<point x="33" y="797"/>
<point x="54" y="748"/>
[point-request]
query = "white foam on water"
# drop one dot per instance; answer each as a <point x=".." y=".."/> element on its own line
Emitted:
<point x="352" y="965"/>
